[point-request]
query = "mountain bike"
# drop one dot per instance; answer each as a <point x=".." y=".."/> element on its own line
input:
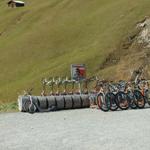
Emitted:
<point x="121" y="97"/>
<point x="106" y="97"/>
<point x="143" y="87"/>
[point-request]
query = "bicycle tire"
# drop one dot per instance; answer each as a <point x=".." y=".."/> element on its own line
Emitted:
<point x="140" y="99"/>
<point x="147" y="96"/>
<point x="132" y="100"/>
<point x="102" y="103"/>
<point x="111" y="97"/>
<point x="122" y="100"/>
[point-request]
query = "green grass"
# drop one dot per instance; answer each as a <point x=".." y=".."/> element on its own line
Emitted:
<point x="9" y="107"/>
<point x="45" y="37"/>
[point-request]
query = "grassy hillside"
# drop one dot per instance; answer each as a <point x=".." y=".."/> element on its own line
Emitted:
<point x="45" y="37"/>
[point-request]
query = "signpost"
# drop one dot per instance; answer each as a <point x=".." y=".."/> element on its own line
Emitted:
<point x="78" y="71"/>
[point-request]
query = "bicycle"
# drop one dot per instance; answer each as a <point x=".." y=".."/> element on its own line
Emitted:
<point x="121" y="96"/>
<point x="106" y="97"/>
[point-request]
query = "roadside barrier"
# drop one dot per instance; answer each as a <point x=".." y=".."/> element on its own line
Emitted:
<point x="51" y="103"/>
<point x="68" y="102"/>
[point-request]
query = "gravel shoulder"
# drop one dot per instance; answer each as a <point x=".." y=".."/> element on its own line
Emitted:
<point x="80" y="129"/>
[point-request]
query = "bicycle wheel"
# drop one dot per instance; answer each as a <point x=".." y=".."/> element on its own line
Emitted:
<point x="111" y="98"/>
<point x="140" y="100"/>
<point x="147" y="96"/>
<point x="132" y="100"/>
<point x="122" y="100"/>
<point x="102" y="103"/>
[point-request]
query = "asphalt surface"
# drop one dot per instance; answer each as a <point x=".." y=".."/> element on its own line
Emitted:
<point x="81" y="129"/>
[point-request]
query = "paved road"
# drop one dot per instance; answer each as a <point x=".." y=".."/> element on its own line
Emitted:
<point x="82" y="129"/>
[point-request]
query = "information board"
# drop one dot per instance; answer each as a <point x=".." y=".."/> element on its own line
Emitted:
<point x="78" y="71"/>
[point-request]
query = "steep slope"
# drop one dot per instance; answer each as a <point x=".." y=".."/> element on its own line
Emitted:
<point x="45" y="37"/>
